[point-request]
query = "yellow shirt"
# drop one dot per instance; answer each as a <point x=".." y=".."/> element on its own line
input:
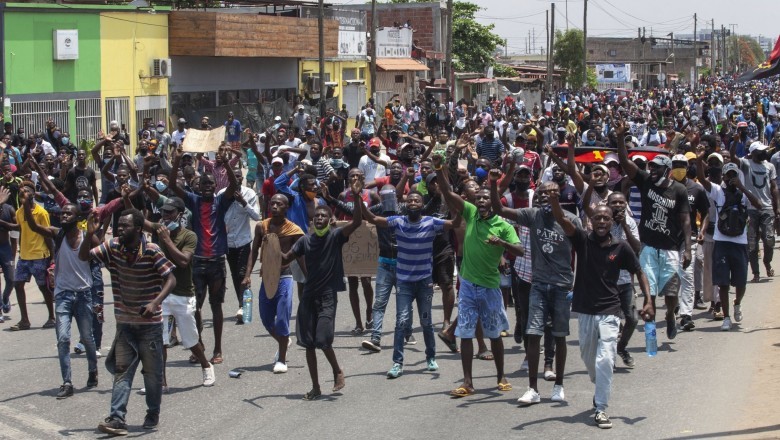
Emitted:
<point x="32" y="244"/>
<point x="571" y="127"/>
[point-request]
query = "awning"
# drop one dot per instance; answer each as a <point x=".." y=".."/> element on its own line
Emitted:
<point x="479" y="80"/>
<point x="400" y="64"/>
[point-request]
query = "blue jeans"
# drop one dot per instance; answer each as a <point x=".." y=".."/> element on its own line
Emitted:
<point x="69" y="305"/>
<point x="136" y="343"/>
<point x="385" y="281"/>
<point x="7" y="263"/>
<point x="408" y="292"/>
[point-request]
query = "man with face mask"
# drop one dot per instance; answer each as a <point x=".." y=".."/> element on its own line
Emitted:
<point x="665" y="228"/>
<point x="652" y="137"/>
<point x="740" y="142"/>
<point x="761" y="182"/>
<point x="375" y="163"/>
<point x="164" y="139"/>
<point x="699" y="207"/>
<point x="80" y="177"/>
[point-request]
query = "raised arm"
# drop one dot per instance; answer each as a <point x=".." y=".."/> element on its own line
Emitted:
<point x="627" y="164"/>
<point x="495" y="199"/>
<point x="568" y="227"/>
<point x="173" y="174"/>
<point x="700" y="170"/>
<point x="357" y="214"/>
<point x="379" y="221"/>
<point x="453" y="200"/>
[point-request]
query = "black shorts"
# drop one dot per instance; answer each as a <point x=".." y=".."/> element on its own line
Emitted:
<point x="443" y="269"/>
<point x="208" y="273"/>
<point x="316" y="319"/>
<point x="729" y="264"/>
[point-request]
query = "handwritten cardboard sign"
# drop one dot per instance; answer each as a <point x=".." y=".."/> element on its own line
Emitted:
<point x="203" y="141"/>
<point x="361" y="253"/>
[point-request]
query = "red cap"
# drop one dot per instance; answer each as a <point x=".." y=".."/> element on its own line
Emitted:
<point x="375" y="142"/>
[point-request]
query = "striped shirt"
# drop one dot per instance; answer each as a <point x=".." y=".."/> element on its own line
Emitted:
<point x="136" y="280"/>
<point x="415" y="246"/>
<point x="635" y="203"/>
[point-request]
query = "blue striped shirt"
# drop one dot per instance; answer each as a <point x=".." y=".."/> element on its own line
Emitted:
<point x="635" y="203"/>
<point x="415" y="246"/>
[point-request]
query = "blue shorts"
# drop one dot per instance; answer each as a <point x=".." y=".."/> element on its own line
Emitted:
<point x="548" y="301"/>
<point x="662" y="268"/>
<point x="480" y="303"/>
<point x="275" y="313"/>
<point x="729" y="264"/>
<point x="26" y="269"/>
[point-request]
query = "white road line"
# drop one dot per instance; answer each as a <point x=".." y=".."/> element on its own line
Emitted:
<point x="28" y="421"/>
<point x="9" y="432"/>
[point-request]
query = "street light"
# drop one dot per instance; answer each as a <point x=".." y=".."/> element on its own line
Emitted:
<point x="662" y="75"/>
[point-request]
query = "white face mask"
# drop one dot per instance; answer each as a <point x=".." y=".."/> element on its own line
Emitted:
<point x="160" y="129"/>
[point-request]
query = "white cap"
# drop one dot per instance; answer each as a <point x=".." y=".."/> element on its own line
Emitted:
<point x="611" y="157"/>
<point x="757" y="146"/>
<point x="639" y="157"/>
<point x="277" y="159"/>
<point x="278" y="118"/>
<point x="679" y="158"/>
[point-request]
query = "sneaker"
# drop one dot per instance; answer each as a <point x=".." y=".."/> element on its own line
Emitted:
<point x="726" y="326"/>
<point x="432" y="365"/>
<point x="557" y="394"/>
<point x="549" y="374"/>
<point x="151" y="421"/>
<point x="530" y="397"/>
<point x="737" y="313"/>
<point x="240" y="316"/>
<point x="142" y="391"/>
<point x="698" y="303"/>
<point x="369" y="325"/>
<point x="410" y="340"/>
<point x="602" y="420"/>
<point x="66" y="390"/>
<point x="92" y="381"/>
<point x="280" y="368"/>
<point x="209" y="378"/>
<point x="7" y="308"/>
<point x="396" y="371"/>
<point x="79" y="348"/>
<point x="113" y="426"/>
<point x="628" y="361"/>
<point x="372" y="346"/>
<point x="98" y="354"/>
<point x="687" y="323"/>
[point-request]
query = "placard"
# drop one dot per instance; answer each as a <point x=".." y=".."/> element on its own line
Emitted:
<point x="360" y="254"/>
<point x="203" y="141"/>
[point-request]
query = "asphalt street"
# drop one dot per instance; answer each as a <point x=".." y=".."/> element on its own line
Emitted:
<point x="704" y="384"/>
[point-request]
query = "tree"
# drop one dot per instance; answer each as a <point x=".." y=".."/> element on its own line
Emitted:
<point x="593" y="79"/>
<point x="472" y="43"/>
<point x="750" y="52"/>
<point x="568" y="54"/>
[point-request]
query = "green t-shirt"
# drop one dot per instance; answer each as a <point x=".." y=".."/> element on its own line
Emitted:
<point x="185" y="241"/>
<point x="480" y="260"/>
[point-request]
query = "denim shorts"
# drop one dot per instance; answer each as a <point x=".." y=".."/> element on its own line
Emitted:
<point x="662" y="268"/>
<point x="480" y="303"/>
<point x="548" y="301"/>
<point x="26" y="269"/>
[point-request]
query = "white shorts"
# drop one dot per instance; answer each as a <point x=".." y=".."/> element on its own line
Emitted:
<point x="182" y="310"/>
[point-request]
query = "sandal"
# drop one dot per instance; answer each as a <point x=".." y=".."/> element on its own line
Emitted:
<point x="770" y="272"/>
<point x="485" y="356"/>
<point x="505" y="386"/>
<point x="20" y="326"/>
<point x="461" y="392"/>
<point x="452" y="345"/>
<point x="49" y="324"/>
<point x="216" y="359"/>
<point x="357" y="331"/>
<point x="312" y="395"/>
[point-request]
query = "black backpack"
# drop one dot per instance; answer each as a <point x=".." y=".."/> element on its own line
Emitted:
<point x="732" y="217"/>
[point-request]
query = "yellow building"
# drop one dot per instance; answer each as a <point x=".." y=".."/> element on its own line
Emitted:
<point x="348" y="81"/>
<point x="134" y="69"/>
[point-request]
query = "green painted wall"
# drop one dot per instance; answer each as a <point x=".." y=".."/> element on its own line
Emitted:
<point x="30" y="66"/>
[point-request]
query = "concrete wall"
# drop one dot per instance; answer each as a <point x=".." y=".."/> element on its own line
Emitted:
<point x="192" y="74"/>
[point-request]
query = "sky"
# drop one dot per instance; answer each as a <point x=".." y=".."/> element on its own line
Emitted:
<point x="616" y="18"/>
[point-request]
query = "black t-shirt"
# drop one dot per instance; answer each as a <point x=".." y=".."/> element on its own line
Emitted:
<point x="77" y="180"/>
<point x="352" y="153"/>
<point x="699" y="202"/>
<point x="325" y="270"/>
<point x="570" y="199"/>
<point x="660" y="226"/>
<point x="598" y="269"/>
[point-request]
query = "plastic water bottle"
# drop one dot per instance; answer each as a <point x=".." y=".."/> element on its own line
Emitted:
<point x="651" y="342"/>
<point x="247" y="306"/>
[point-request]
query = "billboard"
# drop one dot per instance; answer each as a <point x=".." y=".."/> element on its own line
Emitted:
<point x="394" y="43"/>
<point x="352" y="30"/>
<point x="613" y="73"/>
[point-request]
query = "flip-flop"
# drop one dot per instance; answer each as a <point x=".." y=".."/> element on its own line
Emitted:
<point x="452" y="345"/>
<point x="216" y="359"/>
<point x="505" y="387"/>
<point x="49" y="324"/>
<point x="312" y="395"/>
<point x="485" y="356"/>
<point x="461" y="392"/>
<point x="357" y="331"/>
<point x="19" y="326"/>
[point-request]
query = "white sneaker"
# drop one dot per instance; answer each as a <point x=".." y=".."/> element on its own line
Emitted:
<point x="737" y="313"/>
<point x="726" y="326"/>
<point x="280" y="368"/>
<point x="98" y="354"/>
<point x="79" y="348"/>
<point x="209" y="378"/>
<point x="530" y="397"/>
<point x="557" y="394"/>
<point x="240" y="312"/>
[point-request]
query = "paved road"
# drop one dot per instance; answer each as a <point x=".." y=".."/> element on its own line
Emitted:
<point x="704" y="384"/>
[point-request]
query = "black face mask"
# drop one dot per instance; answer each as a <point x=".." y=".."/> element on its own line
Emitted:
<point x="715" y="173"/>
<point x="691" y="173"/>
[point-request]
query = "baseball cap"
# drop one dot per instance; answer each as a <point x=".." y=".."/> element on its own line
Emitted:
<point x="278" y="118"/>
<point x="430" y="178"/>
<point x="173" y="203"/>
<point x="664" y="161"/>
<point x="731" y="166"/>
<point x="374" y="142"/>
<point x="300" y="106"/>
<point x="405" y="144"/>
<point x="277" y="159"/>
<point x="561" y="129"/>
<point x="690" y="155"/>
<point x="523" y="168"/>
<point x="160" y="124"/>
<point x="715" y="156"/>
<point x="641" y="157"/>
<point x="600" y="166"/>
<point x="679" y="158"/>
<point x="611" y="158"/>
<point x="757" y="146"/>
<point x="310" y="132"/>
<point x="742" y="124"/>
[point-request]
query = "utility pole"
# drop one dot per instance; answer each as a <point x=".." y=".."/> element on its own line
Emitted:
<point x="712" y="48"/>
<point x="674" y="67"/>
<point x="736" y="43"/>
<point x="506" y="48"/>
<point x="374" y="25"/>
<point x="567" y="15"/>
<point x="533" y="45"/>
<point x="695" y="53"/>
<point x="550" y="62"/>
<point x="448" y="61"/>
<point x="321" y="25"/>
<point x="585" y="44"/>
<point x="528" y="46"/>
<point x="723" y="54"/>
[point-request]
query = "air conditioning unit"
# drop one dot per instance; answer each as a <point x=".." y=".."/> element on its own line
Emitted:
<point x="161" y="67"/>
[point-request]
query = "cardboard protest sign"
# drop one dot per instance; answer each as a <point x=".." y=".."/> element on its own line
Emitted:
<point x="203" y="141"/>
<point x="361" y="253"/>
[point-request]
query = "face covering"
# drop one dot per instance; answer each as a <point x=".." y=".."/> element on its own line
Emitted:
<point x="337" y="163"/>
<point x="653" y="130"/>
<point x="311" y="195"/>
<point x="590" y="142"/>
<point x="547" y="208"/>
<point x="160" y="186"/>
<point x="522" y="186"/>
<point x="142" y="151"/>
<point x="481" y="173"/>
<point x="323" y="231"/>
<point x="172" y="225"/>
<point x="679" y="174"/>
<point x="84" y="204"/>
<point x="614" y="174"/>
<point x="160" y="129"/>
<point x="65" y="141"/>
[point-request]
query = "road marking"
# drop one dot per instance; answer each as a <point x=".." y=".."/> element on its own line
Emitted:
<point x="9" y="432"/>
<point x="32" y="424"/>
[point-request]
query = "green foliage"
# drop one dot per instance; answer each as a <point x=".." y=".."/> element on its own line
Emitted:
<point x="568" y="54"/>
<point x="592" y="78"/>
<point x="503" y="71"/>
<point x="472" y="43"/>
<point x="750" y="52"/>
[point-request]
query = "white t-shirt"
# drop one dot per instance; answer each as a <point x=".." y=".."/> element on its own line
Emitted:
<point x="372" y="169"/>
<point x="718" y="198"/>
<point x="295" y="143"/>
<point x="178" y="136"/>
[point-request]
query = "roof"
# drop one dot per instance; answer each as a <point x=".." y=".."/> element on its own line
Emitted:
<point x="400" y="64"/>
<point x="479" y="80"/>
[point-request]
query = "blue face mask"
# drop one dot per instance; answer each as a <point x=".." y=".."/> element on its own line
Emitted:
<point x="337" y="163"/>
<point x="590" y="142"/>
<point x="481" y="173"/>
<point x="160" y="186"/>
<point x="84" y="204"/>
<point x="65" y="140"/>
<point x="172" y="226"/>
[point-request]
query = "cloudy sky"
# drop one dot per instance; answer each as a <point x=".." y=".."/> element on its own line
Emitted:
<point x="613" y="18"/>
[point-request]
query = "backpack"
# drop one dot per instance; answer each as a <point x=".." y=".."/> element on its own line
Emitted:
<point x="732" y="217"/>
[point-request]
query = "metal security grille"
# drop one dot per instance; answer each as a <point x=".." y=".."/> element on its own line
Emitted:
<point x="32" y="115"/>
<point x="88" y="121"/>
<point x="118" y="109"/>
<point x="155" y="114"/>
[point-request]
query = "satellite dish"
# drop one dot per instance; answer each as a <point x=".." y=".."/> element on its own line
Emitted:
<point x="661" y="77"/>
